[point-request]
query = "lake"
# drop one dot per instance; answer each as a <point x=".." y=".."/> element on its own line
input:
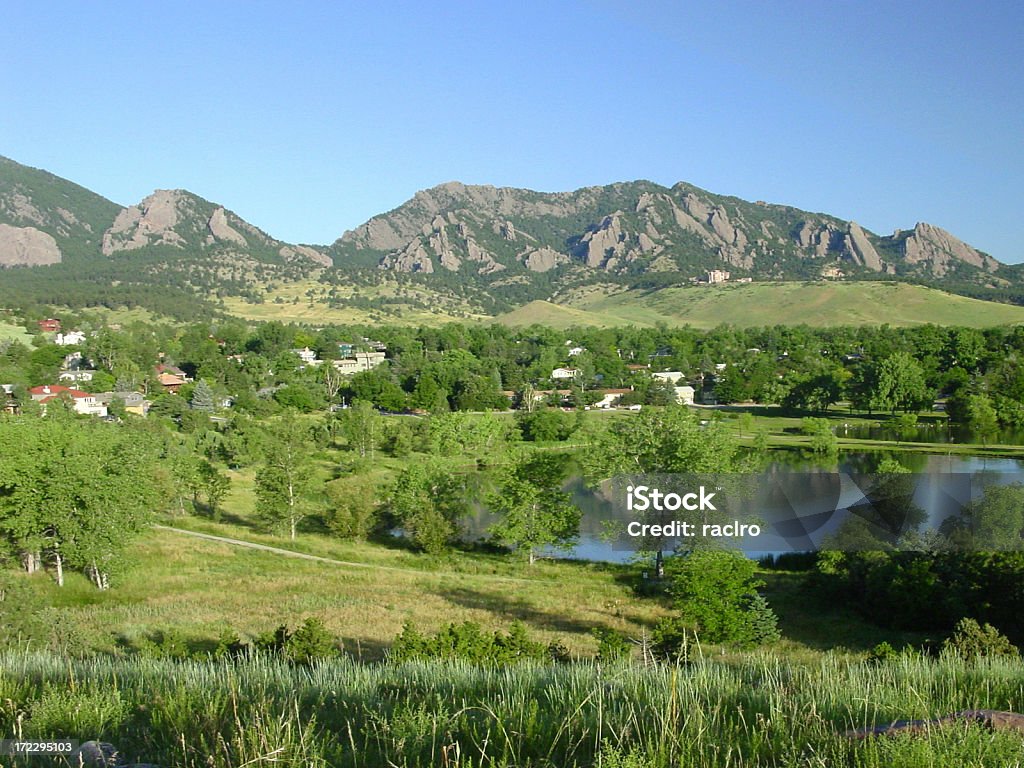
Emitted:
<point x="599" y="512"/>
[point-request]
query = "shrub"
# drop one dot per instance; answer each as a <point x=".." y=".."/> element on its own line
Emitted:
<point x="273" y="641"/>
<point x="228" y="644"/>
<point x="611" y="645"/>
<point x="670" y="639"/>
<point x="881" y="653"/>
<point x="469" y="642"/>
<point x="311" y="642"/>
<point x="558" y="653"/>
<point x="971" y="640"/>
<point x="165" y="644"/>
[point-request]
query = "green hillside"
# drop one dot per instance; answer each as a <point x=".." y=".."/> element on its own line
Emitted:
<point x="557" y="316"/>
<point x="759" y="304"/>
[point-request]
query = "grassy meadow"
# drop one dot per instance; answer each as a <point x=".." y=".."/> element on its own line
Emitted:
<point x="11" y="332"/>
<point x="707" y="713"/>
<point x="764" y="304"/>
<point x="307" y="301"/>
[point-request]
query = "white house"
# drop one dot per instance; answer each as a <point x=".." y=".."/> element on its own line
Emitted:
<point x="306" y="355"/>
<point x="574" y="351"/>
<point x="670" y="376"/>
<point x="718" y="276"/>
<point x="82" y="402"/>
<point x="565" y="373"/>
<point x="685" y="394"/>
<point x="609" y="397"/>
<point x="76" y="375"/>
<point x="359" y="362"/>
<point x="69" y="339"/>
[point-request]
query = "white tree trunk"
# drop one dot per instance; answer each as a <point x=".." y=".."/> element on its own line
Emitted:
<point x="99" y="578"/>
<point x="60" y="568"/>
<point x="291" y="509"/>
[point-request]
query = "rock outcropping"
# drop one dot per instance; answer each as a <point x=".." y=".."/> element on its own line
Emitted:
<point x="27" y="246"/>
<point x="634" y="228"/>
<point x="940" y="251"/>
<point x="184" y="221"/>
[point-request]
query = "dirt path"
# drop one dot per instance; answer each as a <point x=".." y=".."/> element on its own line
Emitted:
<point x="344" y="563"/>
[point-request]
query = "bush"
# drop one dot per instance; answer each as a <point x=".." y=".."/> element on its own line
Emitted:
<point x="469" y="642"/>
<point x="611" y="645"/>
<point x="165" y="644"/>
<point x="881" y="653"/>
<point x="558" y="653"/>
<point x="670" y="639"/>
<point x="228" y="645"/>
<point x="311" y="642"/>
<point x="971" y="640"/>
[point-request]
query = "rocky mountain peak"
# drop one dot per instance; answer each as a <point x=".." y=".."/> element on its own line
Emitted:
<point x="636" y="227"/>
<point x="939" y="250"/>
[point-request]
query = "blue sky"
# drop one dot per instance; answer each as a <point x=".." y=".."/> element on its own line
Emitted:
<point x="308" y="118"/>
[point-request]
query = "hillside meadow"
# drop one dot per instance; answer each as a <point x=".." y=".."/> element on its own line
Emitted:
<point x="763" y="304"/>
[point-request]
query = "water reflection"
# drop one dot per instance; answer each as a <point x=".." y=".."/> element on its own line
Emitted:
<point x="601" y="516"/>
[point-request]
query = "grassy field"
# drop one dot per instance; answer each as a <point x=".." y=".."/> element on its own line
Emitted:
<point x="200" y="587"/>
<point x="761" y="711"/>
<point x="815" y="304"/>
<point x="557" y="316"/>
<point x="307" y="301"/>
<point x="753" y="304"/>
<point x="10" y="332"/>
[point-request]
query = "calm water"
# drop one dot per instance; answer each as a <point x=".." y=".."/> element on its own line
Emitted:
<point x="599" y="512"/>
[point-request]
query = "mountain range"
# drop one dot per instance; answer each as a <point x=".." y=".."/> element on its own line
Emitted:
<point x="496" y="247"/>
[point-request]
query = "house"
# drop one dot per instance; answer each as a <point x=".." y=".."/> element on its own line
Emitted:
<point x="715" y="276"/>
<point x="670" y="376"/>
<point x="171" y="382"/>
<point x="49" y="325"/>
<point x="306" y="355"/>
<point x="685" y="394"/>
<point x="82" y="402"/>
<point x="575" y="351"/>
<point x="134" y="402"/>
<point x="171" y="378"/>
<point x="565" y="373"/>
<point x="173" y="370"/>
<point x="359" y="362"/>
<point x="8" y="403"/>
<point x="609" y="397"/>
<point x="637" y="367"/>
<point x="69" y="339"/>
<point x="76" y="375"/>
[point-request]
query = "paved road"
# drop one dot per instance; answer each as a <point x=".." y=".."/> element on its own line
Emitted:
<point x="332" y="561"/>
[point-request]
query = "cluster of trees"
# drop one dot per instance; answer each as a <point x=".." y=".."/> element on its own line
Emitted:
<point x="899" y="576"/>
<point x="73" y="494"/>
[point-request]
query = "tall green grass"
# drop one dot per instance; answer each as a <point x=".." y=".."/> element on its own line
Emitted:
<point x="761" y="711"/>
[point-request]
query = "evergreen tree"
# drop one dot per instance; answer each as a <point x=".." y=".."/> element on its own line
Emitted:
<point x="202" y="397"/>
